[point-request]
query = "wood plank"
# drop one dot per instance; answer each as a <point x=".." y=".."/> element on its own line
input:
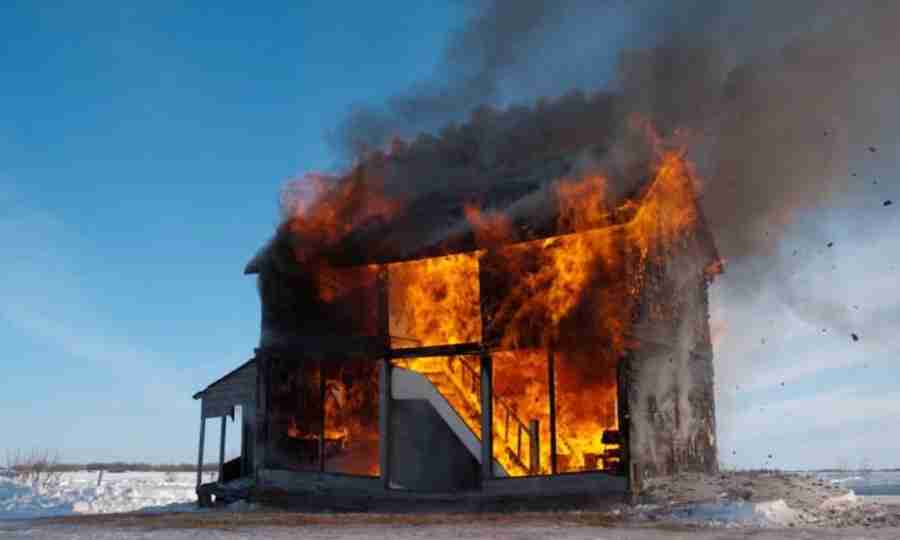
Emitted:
<point x="470" y="349"/>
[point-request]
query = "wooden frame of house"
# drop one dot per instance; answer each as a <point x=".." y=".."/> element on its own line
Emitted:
<point x="665" y="399"/>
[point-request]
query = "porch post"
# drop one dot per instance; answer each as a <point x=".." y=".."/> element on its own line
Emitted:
<point x="202" y="442"/>
<point x="487" y="415"/>
<point x="222" y="448"/>
<point x="384" y="422"/>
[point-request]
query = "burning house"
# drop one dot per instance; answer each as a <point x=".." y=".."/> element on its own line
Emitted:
<point x="486" y="313"/>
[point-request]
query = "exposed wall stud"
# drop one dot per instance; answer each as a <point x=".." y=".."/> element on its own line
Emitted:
<point x="384" y="422"/>
<point x="487" y="438"/>
<point x="551" y="375"/>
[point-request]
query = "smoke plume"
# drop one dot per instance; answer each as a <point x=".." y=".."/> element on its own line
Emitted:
<point x="779" y="98"/>
<point x="789" y="107"/>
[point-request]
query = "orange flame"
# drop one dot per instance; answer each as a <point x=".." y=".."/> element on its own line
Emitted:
<point x="574" y="298"/>
<point x="575" y="294"/>
<point x="321" y="212"/>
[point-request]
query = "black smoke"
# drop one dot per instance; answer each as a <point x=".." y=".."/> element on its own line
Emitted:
<point x="780" y="99"/>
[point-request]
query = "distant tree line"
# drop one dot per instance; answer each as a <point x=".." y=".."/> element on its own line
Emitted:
<point x="38" y="463"/>
<point x="120" y="466"/>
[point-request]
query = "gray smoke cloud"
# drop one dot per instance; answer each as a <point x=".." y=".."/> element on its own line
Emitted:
<point x="791" y="106"/>
<point x="781" y="98"/>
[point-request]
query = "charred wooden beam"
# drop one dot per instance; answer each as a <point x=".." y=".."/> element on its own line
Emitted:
<point x="333" y="347"/>
<point x="534" y="447"/>
<point x="487" y="415"/>
<point x="462" y="349"/>
<point x="384" y="422"/>
<point x="551" y="375"/>
<point x="385" y="393"/>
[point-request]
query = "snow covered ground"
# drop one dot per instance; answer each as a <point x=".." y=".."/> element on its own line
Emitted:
<point x="735" y="505"/>
<point x="79" y="493"/>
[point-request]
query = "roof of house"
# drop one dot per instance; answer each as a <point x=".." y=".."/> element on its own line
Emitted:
<point x="223" y="378"/>
<point x="511" y="162"/>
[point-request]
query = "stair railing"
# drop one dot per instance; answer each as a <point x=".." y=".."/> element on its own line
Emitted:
<point x="527" y="435"/>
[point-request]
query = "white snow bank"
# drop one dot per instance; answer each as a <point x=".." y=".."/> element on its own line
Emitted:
<point x="78" y="493"/>
<point x="738" y="513"/>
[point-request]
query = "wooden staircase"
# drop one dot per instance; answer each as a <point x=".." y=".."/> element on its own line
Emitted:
<point x="460" y="385"/>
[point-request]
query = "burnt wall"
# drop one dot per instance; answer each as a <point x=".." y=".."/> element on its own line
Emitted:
<point x="669" y="371"/>
<point x="313" y="299"/>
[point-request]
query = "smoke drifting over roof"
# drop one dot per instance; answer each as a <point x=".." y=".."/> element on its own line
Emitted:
<point x="788" y="108"/>
<point x="778" y="97"/>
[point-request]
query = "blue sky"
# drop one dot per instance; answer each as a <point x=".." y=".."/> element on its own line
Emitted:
<point x="141" y="153"/>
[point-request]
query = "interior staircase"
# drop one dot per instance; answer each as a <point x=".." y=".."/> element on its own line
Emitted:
<point x="454" y="389"/>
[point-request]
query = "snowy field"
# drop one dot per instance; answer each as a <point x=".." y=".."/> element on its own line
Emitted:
<point x="161" y="505"/>
<point x="79" y="493"/>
